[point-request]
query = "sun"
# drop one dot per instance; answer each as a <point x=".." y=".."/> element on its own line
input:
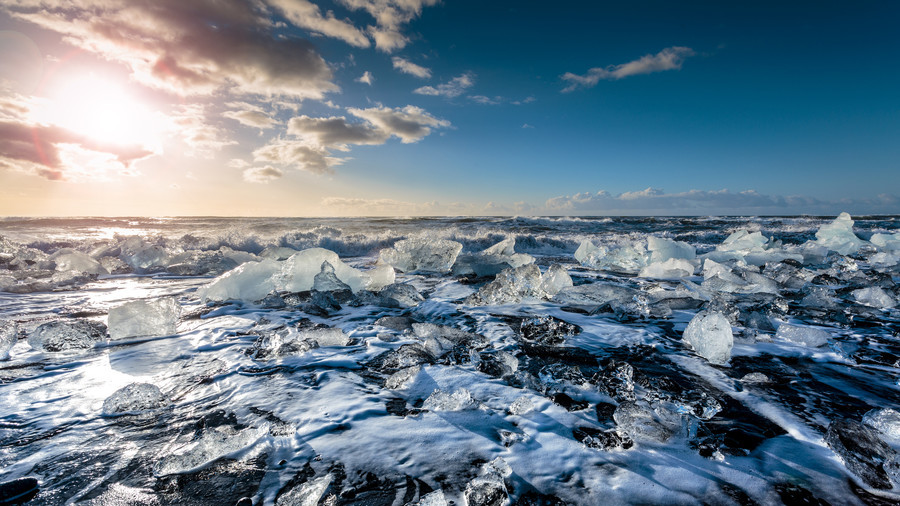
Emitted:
<point x="102" y="110"/>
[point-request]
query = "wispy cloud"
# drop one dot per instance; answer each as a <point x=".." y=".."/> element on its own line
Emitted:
<point x="390" y="18"/>
<point x="249" y="115"/>
<point x="670" y="58"/>
<point x="262" y="175"/>
<point x="305" y="14"/>
<point x="408" y="67"/>
<point x="366" y="78"/>
<point x="314" y="139"/>
<point x="456" y="87"/>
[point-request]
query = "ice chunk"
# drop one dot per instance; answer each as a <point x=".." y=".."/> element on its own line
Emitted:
<point x="401" y="377"/>
<point x="521" y="406"/>
<point x="435" y="498"/>
<point x="492" y="260"/>
<point x="596" y="294"/>
<point x="151" y="317"/>
<point x="662" y="249"/>
<point x="754" y="377"/>
<point x="752" y="248"/>
<point x="555" y="279"/>
<point x="488" y="488"/>
<point x="671" y="268"/>
<point x="402" y="295"/>
<point x="838" y="235"/>
<point x="862" y="451"/>
<point x="497" y="364"/>
<point x="422" y="255"/>
<point x="327" y="281"/>
<point x="9" y="334"/>
<point x="807" y="336"/>
<point x="510" y="286"/>
<point x="198" y="263"/>
<point x="70" y="260"/>
<point x="874" y="296"/>
<point x="638" y="422"/>
<point x="59" y="336"/>
<point x="709" y="333"/>
<point x="886" y="242"/>
<point x="308" y="494"/>
<point x="743" y="240"/>
<point x="299" y="271"/>
<point x="277" y="252"/>
<point x="134" y="398"/>
<point x="324" y="337"/>
<point x="251" y="281"/>
<point x="455" y="401"/>
<point x="627" y="258"/>
<point x="212" y="445"/>
<point x="144" y="258"/>
<point x="547" y="330"/>
<point x="886" y="421"/>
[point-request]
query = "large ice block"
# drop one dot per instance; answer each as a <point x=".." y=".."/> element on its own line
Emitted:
<point x="709" y="333"/>
<point x="151" y="317"/>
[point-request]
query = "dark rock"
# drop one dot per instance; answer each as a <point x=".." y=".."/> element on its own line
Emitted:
<point x="18" y="491"/>
<point x="564" y="400"/>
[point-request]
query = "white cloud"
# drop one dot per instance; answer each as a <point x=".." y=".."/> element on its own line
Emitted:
<point x="203" y="139"/>
<point x="305" y="14"/>
<point x="670" y="58"/>
<point x="481" y="99"/>
<point x="390" y="18"/>
<point x="456" y="87"/>
<point x="262" y="175"/>
<point x="249" y="115"/>
<point x="313" y="139"/>
<point x="408" y="67"/>
<point x="366" y="78"/>
<point x="188" y="47"/>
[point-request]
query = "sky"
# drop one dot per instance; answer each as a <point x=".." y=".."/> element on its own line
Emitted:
<point x="430" y="107"/>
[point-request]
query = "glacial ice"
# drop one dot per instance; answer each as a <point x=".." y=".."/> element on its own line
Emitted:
<point x="134" y="398"/>
<point x="457" y="400"/>
<point x="626" y="258"/>
<point x="514" y="285"/>
<point x="327" y="281"/>
<point x="874" y="296"/>
<point x="422" y="255"/>
<point x="807" y="336"/>
<point x="752" y="248"/>
<point x="70" y="260"/>
<point x="213" y="444"/>
<point x="838" y="236"/>
<point x="488" y="488"/>
<point x="138" y="318"/>
<point x="9" y="334"/>
<point x="308" y="494"/>
<point x="252" y="281"/>
<point x="521" y="406"/>
<point x="662" y="249"/>
<point x="639" y="422"/>
<point x="61" y="336"/>
<point x="886" y="242"/>
<point x="400" y="378"/>
<point x="671" y="268"/>
<point x="435" y="498"/>
<point x="709" y="333"/>
<point x="596" y="294"/>
<point x="492" y="260"/>
<point x="886" y="421"/>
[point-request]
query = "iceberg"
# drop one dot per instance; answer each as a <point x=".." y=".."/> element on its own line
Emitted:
<point x="626" y="258"/>
<point x="139" y="318"/>
<point x="662" y="249"/>
<point x="251" y="281"/>
<point x="422" y="255"/>
<point x="492" y="260"/>
<point x="874" y="296"/>
<point x="134" y="398"/>
<point x="299" y="271"/>
<point x="752" y="248"/>
<point x="886" y="242"/>
<point x="555" y="279"/>
<point x="807" y="336"/>
<point x="59" y="336"/>
<point x="9" y="334"/>
<point x="709" y="333"/>
<point x="70" y="260"/>
<point x="838" y="236"/>
<point x="327" y="281"/>
<point x="510" y="286"/>
<point x="672" y="268"/>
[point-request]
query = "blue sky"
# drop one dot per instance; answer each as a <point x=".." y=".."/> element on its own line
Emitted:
<point x="400" y="107"/>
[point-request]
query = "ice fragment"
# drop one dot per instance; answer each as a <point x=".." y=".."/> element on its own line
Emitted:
<point x="9" y="334"/>
<point x="134" y="398"/>
<point x="59" y="336"/>
<point x="874" y="296"/>
<point x="709" y="333"/>
<point x="838" y="235"/>
<point x="152" y="317"/>
<point x="807" y="336"/>
<point x="422" y="255"/>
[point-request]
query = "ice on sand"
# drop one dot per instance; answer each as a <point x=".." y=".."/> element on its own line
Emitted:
<point x="59" y="336"/>
<point x="327" y="281"/>
<point x="514" y="285"/>
<point x="308" y="494"/>
<point x="252" y="281"/>
<point x="627" y="258"/>
<point x="9" y="333"/>
<point x="139" y="318"/>
<point x="71" y="260"/>
<point x="639" y="422"/>
<point x="709" y="333"/>
<point x="212" y="445"/>
<point x="422" y="255"/>
<point x="492" y="260"/>
<point x="838" y="236"/>
<point x="807" y="336"/>
<point x="886" y="242"/>
<point x="488" y="488"/>
<point x="886" y="421"/>
<point x="134" y="398"/>
<point x="662" y="249"/>
<point x="874" y="296"/>
<point x="453" y="401"/>
<point x="672" y="268"/>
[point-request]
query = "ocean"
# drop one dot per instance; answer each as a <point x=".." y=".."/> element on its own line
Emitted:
<point x="431" y="361"/>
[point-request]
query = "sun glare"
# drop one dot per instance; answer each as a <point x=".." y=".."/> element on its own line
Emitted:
<point x="104" y="111"/>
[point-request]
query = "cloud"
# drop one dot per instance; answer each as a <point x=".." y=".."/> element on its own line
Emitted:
<point x="249" y="115"/>
<point x="652" y="201"/>
<point x="262" y="175"/>
<point x="390" y="17"/>
<point x="408" y="67"/>
<point x="307" y="15"/>
<point x="366" y="78"/>
<point x="314" y="139"/>
<point x="669" y="58"/>
<point x="203" y="139"/>
<point x="481" y="99"/>
<point x="57" y="153"/>
<point x="456" y="87"/>
<point x="188" y="47"/>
